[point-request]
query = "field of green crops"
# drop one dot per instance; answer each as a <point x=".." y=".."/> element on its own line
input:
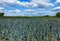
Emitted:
<point x="29" y="29"/>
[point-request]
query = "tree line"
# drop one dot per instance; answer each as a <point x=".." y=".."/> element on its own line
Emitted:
<point x="57" y="14"/>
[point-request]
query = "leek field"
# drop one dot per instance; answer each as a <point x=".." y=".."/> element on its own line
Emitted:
<point x="29" y="29"/>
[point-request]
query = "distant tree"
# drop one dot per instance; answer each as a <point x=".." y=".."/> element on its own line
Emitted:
<point x="1" y="14"/>
<point x="46" y="16"/>
<point x="58" y="14"/>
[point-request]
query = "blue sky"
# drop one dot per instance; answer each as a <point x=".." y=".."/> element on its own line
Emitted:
<point x="29" y="7"/>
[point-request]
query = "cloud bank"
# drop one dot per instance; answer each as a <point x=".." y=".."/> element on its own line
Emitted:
<point x="33" y="3"/>
<point x="36" y="7"/>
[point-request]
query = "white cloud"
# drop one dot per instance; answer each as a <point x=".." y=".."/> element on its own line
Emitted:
<point x="56" y="8"/>
<point x="13" y="13"/>
<point x="38" y="12"/>
<point x="41" y="9"/>
<point x="12" y="2"/>
<point x="33" y="3"/>
<point x="7" y="2"/>
<point x="2" y="9"/>
<point x="43" y="2"/>
<point x="29" y="12"/>
<point x="58" y="1"/>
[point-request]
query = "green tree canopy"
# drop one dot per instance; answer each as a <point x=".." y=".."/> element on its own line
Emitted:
<point x="58" y="14"/>
<point x="1" y="14"/>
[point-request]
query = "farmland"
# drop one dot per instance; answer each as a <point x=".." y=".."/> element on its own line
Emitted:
<point x="30" y="29"/>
